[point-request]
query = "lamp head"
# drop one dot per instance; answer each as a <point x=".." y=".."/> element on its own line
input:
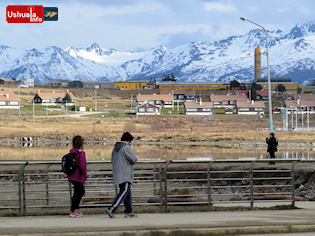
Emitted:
<point x="242" y="18"/>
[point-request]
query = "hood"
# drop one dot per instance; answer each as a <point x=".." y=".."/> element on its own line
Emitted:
<point x="75" y="150"/>
<point x="119" y="145"/>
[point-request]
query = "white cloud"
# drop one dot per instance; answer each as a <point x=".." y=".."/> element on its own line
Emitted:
<point x="217" y="6"/>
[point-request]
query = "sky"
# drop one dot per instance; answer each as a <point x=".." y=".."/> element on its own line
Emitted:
<point x="139" y="25"/>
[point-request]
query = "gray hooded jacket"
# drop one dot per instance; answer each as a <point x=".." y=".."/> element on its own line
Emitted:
<point x="123" y="159"/>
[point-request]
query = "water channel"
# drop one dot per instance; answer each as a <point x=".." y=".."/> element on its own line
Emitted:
<point x="102" y="151"/>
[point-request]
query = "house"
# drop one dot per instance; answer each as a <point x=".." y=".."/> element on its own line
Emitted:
<point x="7" y="82"/>
<point x="8" y="99"/>
<point x="156" y="99"/>
<point x="148" y="109"/>
<point x="276" y="110"/>
<point x="201" y="108"/>
<point x="262" y="95"/>
<point x="229" y="110"/>
<point x="25" y="83"/>
<point x="303" y="106"/>
<point x="182" y="95"/>
<point x="304" y="96"/>
<point x="241" y="92"/>
<point x="91" y="84"/>
<point x="227" y="100"/>
<point x="52" y="98"/>
<point x="250" y="108"/>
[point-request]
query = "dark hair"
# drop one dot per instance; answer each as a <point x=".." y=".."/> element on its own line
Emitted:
<point x="126" y="137"/>
<point x="77" y="141"/>
<point x="272" y="134"/>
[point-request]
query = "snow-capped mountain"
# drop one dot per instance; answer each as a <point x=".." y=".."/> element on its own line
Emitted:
<point x="291" y="55"/>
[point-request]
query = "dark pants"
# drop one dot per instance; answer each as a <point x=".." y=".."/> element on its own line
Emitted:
<point x="272" y="156"/>
<point x="124" y="195"/>
<point x="77" y="195"/>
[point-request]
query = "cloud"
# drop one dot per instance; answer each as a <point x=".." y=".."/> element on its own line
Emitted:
<point x="218" y="6"/>
<point x="172" y="40"/>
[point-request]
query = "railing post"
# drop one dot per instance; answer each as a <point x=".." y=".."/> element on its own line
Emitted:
<point x="165" y="185"/>
<point x="22" y="201"/>
<point x="292" y="185"/>
<point x="161" y="175"/>
<point x="251" y="185"/>
<point x="47" y="183"/>
<point x="209" y="185"/>
<point x="154" y="177"/>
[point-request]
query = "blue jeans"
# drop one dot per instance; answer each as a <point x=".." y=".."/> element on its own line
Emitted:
<point x="123" y="195"/>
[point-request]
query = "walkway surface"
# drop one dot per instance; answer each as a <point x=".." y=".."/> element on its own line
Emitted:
<point x="201" y="223"/>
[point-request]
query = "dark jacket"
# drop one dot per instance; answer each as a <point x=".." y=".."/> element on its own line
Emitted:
<point x="272" y="144"/>
<point x="123" y="159"/>
<point x="80" y="175"/>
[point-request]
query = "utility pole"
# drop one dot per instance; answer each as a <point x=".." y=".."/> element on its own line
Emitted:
<point x="95" y="100"/>
<point x="131" y="101"/>
<point x="33" y="111"/>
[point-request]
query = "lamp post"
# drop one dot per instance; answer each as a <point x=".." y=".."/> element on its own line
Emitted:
<point x="269" y="86"/>
<point x="95" y="100"/>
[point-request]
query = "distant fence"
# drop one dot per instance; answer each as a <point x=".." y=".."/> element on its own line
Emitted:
<point x="41" y="184"/>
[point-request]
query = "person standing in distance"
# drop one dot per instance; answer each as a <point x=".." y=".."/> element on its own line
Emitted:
<point x="79" y="177"/>
<point x="123" y="159"/>
<point x="272" y="147"/>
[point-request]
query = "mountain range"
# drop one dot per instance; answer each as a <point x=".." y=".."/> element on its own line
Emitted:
<point x="291" y="55"/>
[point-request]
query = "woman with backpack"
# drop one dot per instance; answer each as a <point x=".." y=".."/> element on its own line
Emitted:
<point x="79" y="177"/>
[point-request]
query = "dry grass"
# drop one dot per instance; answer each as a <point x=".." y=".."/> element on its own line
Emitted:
<point x="169" y="128"/>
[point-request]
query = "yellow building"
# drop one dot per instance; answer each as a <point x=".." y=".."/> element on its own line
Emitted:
<point x="193" y="85"/>
<point x="131" y="85"/>
<point x="288" y="86"/>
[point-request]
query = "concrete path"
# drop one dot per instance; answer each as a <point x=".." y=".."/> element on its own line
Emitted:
<point x="201" y="223"/>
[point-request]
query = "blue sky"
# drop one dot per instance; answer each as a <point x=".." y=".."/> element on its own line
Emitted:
<point x="138" y="25"/>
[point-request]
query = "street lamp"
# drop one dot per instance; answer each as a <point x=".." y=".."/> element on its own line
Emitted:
<point x="95" y="100"/>
<point x="269" y="86"/>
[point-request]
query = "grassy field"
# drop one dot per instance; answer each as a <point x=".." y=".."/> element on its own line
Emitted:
<point x="114" y="121"/>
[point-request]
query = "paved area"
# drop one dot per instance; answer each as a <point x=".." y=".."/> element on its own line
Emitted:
<point x="201" y="223"/>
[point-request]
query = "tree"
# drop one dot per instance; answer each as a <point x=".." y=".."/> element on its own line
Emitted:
<point x="234" y="84"/>
<point x="280" y="88"/>
<point x="253" y="90"/>
<point x="299" y="90"/>
<point x="256" y="86"/>
<point x="67" y="98"/>
<point x="169" y="77"/>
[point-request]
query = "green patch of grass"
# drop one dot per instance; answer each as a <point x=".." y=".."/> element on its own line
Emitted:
<point x="107" y="115"/>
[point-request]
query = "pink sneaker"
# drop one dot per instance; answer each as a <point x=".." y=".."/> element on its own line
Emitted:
<point x="79" y="212"/>
<point x="73" y="214"/>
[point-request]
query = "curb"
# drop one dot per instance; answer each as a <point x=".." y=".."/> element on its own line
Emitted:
<point x="189" y="232"/>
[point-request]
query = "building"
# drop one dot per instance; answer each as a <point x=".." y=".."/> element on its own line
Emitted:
<point x="201" y="108"/>
<point x="7" y="82"/>
<point x="303" y="106"/>
<point x="304" y="97"/>
<point x="157" y="100"/>
<point x="8" y="99"/>
<point x="227" y="100"/>
<point x="52" y="98"/>
<point x="91" y="84"/>
<point x="250" y="108"/>
<point x="241" y="92"/>
<point x="133" y="85"/>
<point x="262" y="95"/>
<point x="180" y="95"/>
<point x="177" y="85"/>
<point x="58" y="83"/>
<point x="148" y="109"/>
<point x="25" y="83"/>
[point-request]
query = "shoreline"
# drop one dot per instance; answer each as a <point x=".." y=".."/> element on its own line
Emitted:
<point x="247" y="144"/>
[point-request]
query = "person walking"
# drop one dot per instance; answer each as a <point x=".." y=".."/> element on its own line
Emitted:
<point x="272" y="147"/>
<point x="79" y="177"/>
<point x="123" y="159"/>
